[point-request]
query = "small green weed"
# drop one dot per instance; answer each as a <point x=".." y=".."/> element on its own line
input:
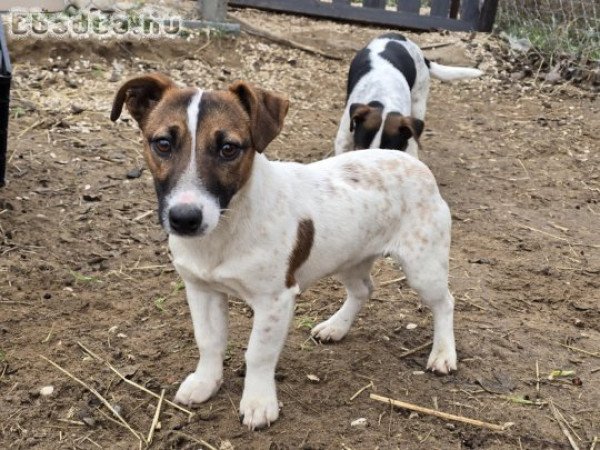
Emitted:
<point x="17" y="112"/>
<point x="85" y="278"/>
<point x="160" y="303"/>
<point x="306" y="323"/>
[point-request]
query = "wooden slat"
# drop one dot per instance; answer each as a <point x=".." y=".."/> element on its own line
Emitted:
<point x="469" y="11"/>
<point x="356" y="14"/>
<point x="410" y="6"/>
<point x="487" y="15"/>
<point x="454" y="8"/>
<point x="440" y="8"/>
<point x="379" y="4"/>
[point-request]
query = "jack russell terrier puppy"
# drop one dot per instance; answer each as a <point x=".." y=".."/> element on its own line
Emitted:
<point x="264" y="231"/>
<point x="386" y="96"/>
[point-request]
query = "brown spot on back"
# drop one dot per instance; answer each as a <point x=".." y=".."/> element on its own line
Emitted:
<point x="304" y="241"/>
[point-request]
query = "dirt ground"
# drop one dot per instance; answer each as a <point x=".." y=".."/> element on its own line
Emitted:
<point x="84" y="260"/>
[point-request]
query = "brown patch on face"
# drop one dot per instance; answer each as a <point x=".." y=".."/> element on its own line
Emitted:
<point x="223" y="123"/>
<point x="169" y="120"/>
<point x="243" y="120"/>
<point x="304" y="242"/>
<point x="160" y="109"/>
<point x="398" y="129"/>
<point x="365" y="121"/>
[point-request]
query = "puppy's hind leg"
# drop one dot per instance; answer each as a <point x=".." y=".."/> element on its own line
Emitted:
<point x="424" y="260"/>
<point x="359" y="286"/>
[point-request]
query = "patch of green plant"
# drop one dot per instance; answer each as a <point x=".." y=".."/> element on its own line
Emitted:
<point x="85" y="278"/>
<point x="555" y="38"/>
<point x="179" y="285"/>
<point x="159" y="302"/>
<point x="17" y="112"/>
<point x="306" y="323"/>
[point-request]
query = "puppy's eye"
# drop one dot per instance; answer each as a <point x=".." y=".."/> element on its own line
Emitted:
<point x="162" y="146"/>
<point x="229" y="152"/>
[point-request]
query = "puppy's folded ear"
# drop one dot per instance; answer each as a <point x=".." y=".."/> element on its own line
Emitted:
<point x="358" y="114"/>
<point x="266" y="110"/>
<point x="140" y="95"/>
<point x="411" y="127"/>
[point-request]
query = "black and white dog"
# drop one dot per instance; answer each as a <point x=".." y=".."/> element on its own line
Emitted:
<point x="386" y="99"/>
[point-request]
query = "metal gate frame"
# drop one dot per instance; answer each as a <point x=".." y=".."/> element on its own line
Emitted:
<point x="475" y="15"/>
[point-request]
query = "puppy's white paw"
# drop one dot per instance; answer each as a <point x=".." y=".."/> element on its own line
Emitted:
<point x="259" y="409"/>
<point x="331" y="330"/>
<point x="442" y="359"/>
<point x="196" y="389"/>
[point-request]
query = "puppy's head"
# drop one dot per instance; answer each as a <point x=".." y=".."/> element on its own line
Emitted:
<point x="199" y="145"/>
<point x="371" y="130"/>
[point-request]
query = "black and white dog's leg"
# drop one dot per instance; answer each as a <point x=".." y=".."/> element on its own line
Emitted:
<point x="418" y="100"/>
<point x="359" y="286"/>
<point x="210" y="321"/>
<point x="344" y="139"/>
<point x="272" y="317"/>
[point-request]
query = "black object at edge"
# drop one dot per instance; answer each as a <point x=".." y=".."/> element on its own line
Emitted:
<point x="5" y="79"/>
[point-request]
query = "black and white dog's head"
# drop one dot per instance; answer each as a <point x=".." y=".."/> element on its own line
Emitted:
<point x="371" y="129"/>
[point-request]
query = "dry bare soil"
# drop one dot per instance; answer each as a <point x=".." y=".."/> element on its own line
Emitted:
<point x="84" y="260"/>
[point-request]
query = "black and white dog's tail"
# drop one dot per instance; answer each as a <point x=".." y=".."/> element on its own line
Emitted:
<point x="449" y="73"/>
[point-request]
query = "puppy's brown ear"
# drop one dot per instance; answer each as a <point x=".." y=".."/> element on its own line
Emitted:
<point x="411" y="127"/>
<point x="358" y="114"/>
<point x="267" y="112"/>
<point x="140" y="95"/>
<point x="404" y="127"/>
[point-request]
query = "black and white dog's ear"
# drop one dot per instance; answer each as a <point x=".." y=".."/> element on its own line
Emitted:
<point x="358" y="114"/>
<point x="398" y="129"/>
<point x="140" y="95"/>
<point x="411" y="127"/>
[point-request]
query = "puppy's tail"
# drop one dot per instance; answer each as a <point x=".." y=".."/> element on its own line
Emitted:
<point x="448" y="73"/>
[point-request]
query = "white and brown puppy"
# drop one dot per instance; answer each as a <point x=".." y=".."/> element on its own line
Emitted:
<point x="264" y="231"/>
<point x="386" y="96"/>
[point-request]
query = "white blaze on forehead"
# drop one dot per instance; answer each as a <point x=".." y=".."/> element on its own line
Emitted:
<point x="192" y="122"/>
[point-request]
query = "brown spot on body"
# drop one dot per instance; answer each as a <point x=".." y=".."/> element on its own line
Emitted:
<point x="304" y="241"/>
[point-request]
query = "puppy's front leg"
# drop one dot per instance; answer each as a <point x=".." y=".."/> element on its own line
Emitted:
<point x="272" y="316"/>
<point x="209" y="317"/>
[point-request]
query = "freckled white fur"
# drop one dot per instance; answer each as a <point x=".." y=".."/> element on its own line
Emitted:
<point x="395" y="208"/>
<point x="189" y="188"/>
<point x="385" y="84"/>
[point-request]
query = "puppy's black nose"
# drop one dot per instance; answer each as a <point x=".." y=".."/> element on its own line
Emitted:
<point x="185" y="219"/>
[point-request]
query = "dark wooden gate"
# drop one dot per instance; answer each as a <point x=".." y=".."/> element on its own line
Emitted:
<point x="454" y="15"/>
